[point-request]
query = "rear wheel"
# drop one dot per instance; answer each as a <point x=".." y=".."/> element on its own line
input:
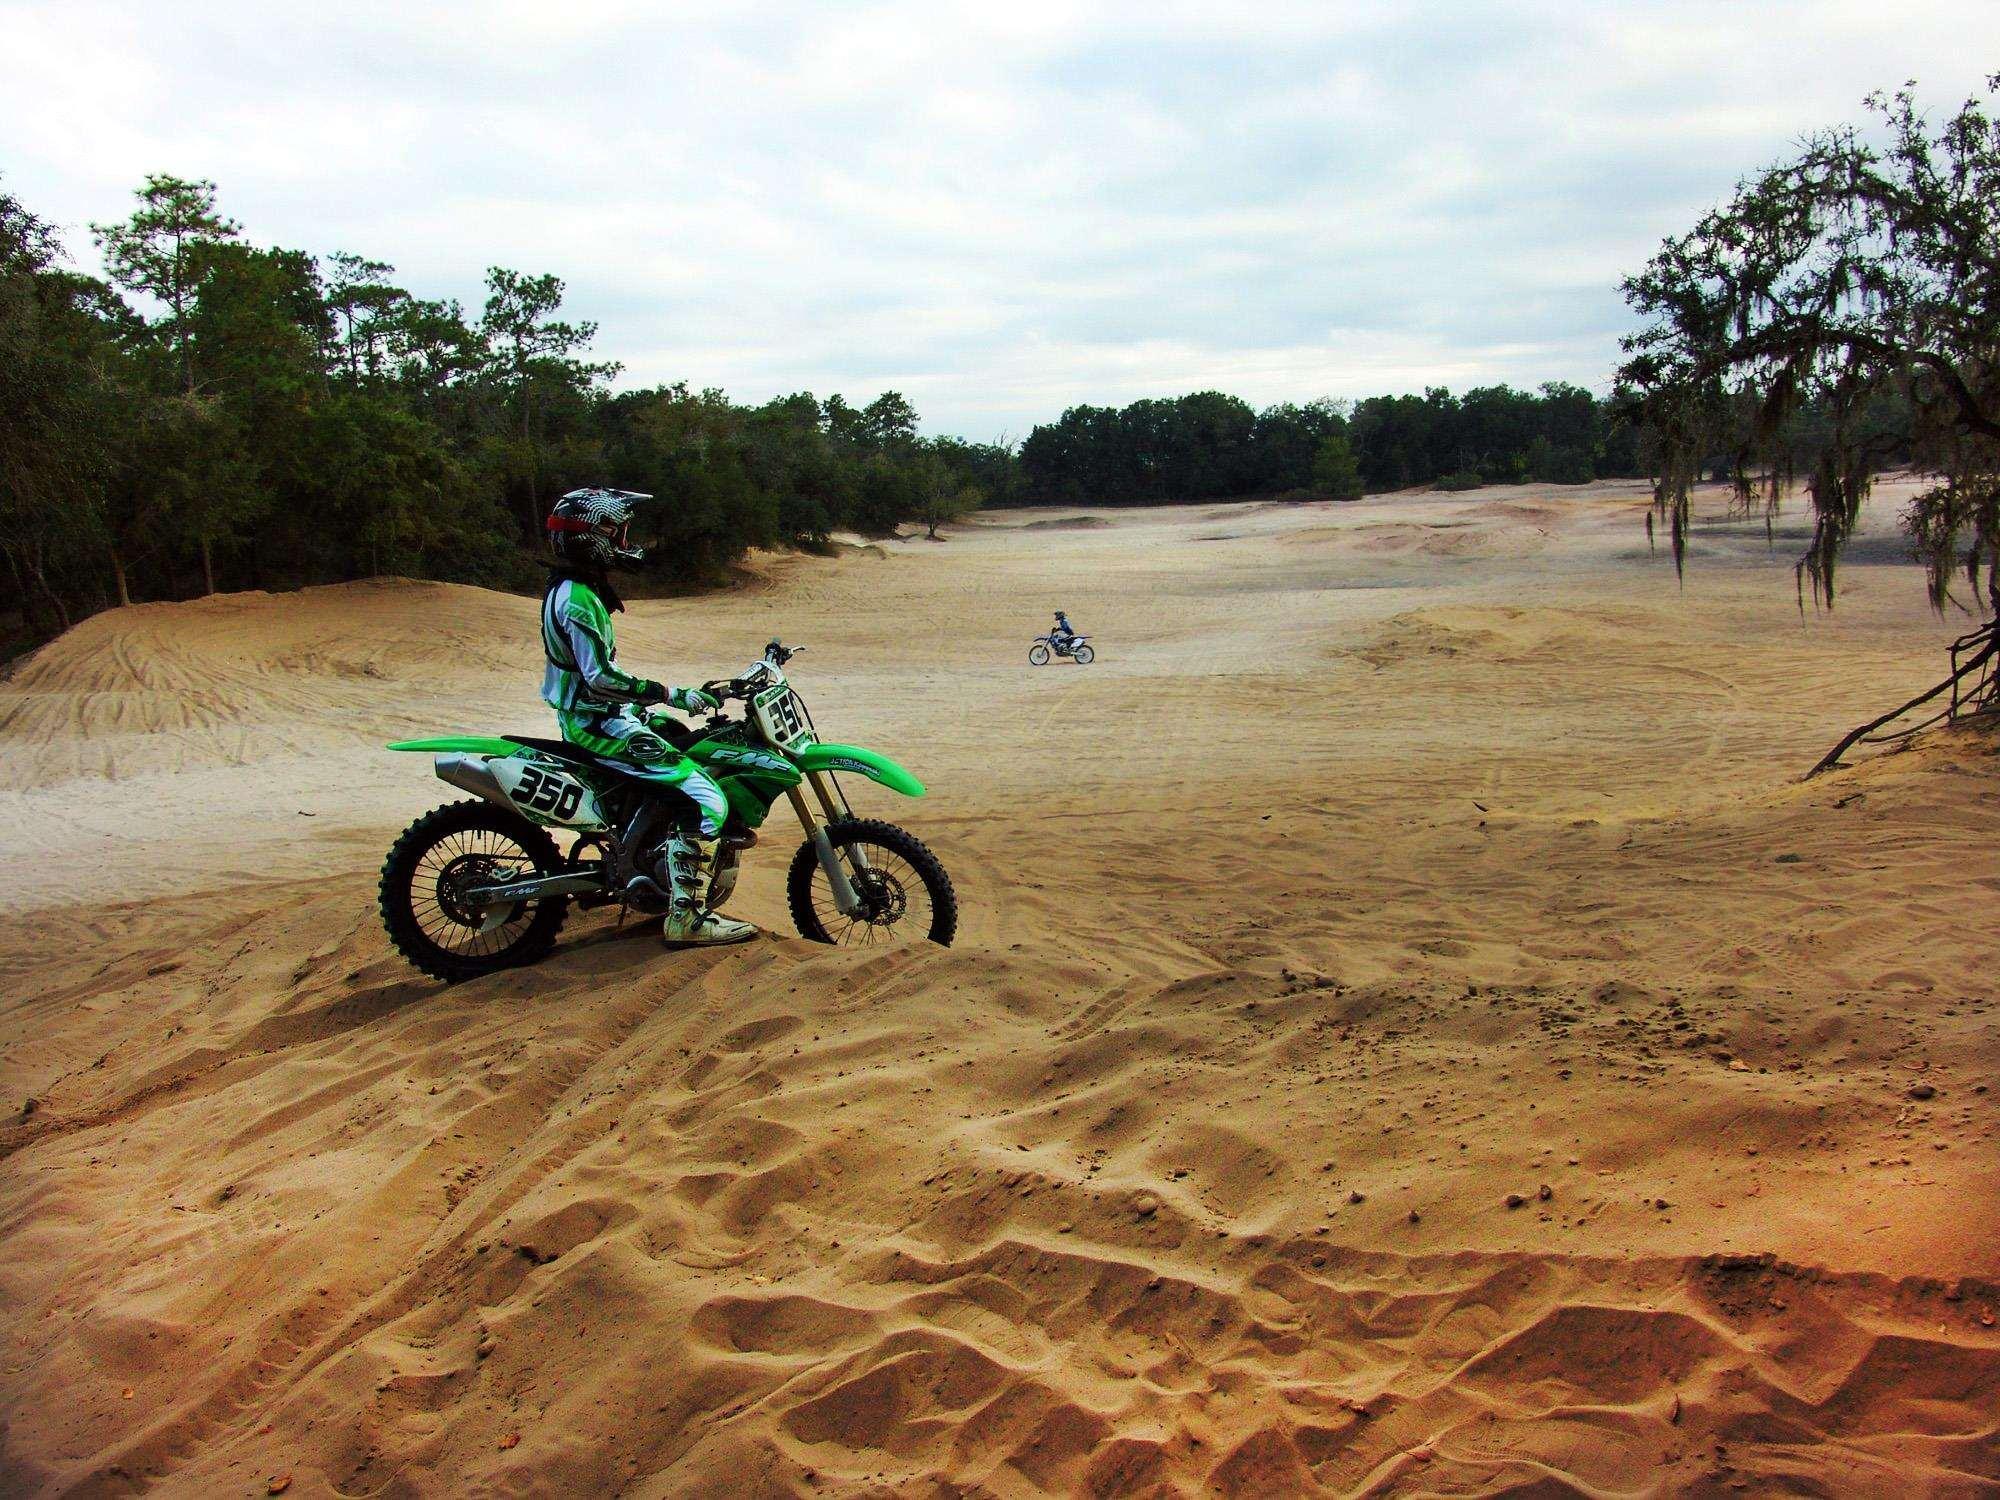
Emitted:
<point x="1038" y="655"/>
<point x="906" y="894"/>
<point x="437" y="860"/>
<point x="1085" y="656"/>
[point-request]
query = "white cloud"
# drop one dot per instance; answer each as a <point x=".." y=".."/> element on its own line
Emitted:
<point x="1000" y="210"/>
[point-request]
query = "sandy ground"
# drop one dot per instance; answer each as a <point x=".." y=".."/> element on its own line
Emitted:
<point x="1410" y="1032"/>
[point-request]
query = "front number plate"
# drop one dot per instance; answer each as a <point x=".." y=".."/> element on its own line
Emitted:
<point x="780" y="717"/>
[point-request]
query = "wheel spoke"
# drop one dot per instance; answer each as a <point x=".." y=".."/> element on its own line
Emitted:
<point x="889" y="881"/>
<point x="460" y="859"/>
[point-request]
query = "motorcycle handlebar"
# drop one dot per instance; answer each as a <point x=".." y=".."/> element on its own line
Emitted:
<point x="736" y="687"/>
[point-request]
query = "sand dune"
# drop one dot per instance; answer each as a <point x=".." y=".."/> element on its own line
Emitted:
<point x="1410" y="1033"/>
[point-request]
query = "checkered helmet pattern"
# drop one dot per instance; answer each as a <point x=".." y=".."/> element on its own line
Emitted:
<point x="588" y="527"/>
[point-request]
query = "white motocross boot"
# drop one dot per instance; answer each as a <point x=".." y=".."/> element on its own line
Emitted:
<point x="688" y="923"/>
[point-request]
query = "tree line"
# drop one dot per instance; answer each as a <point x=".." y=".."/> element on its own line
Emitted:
<point x="1210" y="446"/>
<point x="212" y="414"/>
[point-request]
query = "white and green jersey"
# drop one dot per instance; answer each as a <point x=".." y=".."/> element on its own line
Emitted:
<point x="582" y="675"/>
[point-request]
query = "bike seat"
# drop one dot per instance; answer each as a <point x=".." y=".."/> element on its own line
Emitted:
<point x="576" y="755"/>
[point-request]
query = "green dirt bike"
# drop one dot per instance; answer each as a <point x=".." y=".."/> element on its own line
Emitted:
<point x="472" y="887"/>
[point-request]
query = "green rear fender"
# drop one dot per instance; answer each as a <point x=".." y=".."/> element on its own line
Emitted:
<point x="863" y="762"/>
<point x="460" y="744"/>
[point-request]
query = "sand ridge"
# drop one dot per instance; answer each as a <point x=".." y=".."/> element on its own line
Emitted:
<point x="1506" y="1076"/>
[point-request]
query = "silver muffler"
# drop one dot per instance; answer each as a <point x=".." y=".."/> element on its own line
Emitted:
<point x="472" y="773"/>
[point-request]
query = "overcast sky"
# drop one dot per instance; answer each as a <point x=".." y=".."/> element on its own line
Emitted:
<point x="999" y="209"/>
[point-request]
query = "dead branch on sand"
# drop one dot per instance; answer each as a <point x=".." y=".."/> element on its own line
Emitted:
<point x="1974" y="685"/>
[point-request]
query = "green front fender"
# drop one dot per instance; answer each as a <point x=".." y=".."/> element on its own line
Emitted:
<point x="872" y="764"/>
<point x="463" y="744"/>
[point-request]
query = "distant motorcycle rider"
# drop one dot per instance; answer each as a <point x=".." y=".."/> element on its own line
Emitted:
<point x="1063" y="637"/>
<point x="603" y="709"/>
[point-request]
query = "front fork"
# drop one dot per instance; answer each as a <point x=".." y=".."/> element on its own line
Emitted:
<point x="846" y="900"/>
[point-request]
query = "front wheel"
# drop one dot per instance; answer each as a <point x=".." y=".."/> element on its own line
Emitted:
<point x="1085" y="656"/>
<point x="449" y="851"/>
<point x="906" y="894"/>
<point x="1038" y="655"/>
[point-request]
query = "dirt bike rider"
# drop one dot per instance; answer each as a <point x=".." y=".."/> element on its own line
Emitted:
<point x="1063" y="637"/>
<point x="603" y="710"/>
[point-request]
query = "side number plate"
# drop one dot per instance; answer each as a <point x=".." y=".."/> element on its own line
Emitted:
<point x="554" y="796"/>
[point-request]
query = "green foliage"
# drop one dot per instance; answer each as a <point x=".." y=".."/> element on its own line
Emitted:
<point x="159" y="252"/>
<point x="1209" y="446"/>
<point x="1557" y="435"/>
<point x="1838" y="314"/>
<point x="1196" y="447"/>
<point x="57" y="337"/>
<point x="531" y="356"/>
<point x="787" y="473"/>
<point x="1335" y="472"/>
<point x="946" y="499"/>
<point x="361" y="305"/>
<point x="273" y="420"/>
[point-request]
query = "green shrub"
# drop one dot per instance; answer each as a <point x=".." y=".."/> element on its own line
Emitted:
<point x="1336" y="473"/>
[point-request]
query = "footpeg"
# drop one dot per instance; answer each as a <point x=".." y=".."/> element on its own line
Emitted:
<point x="643" y="893"/>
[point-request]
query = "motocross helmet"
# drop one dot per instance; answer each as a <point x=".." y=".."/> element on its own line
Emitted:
<point x="591" y="528"/>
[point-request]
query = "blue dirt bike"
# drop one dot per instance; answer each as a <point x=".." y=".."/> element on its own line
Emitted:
<point x="1075" y="647"/>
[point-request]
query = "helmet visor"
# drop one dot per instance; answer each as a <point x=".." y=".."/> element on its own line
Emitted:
<point x="617" y="534"/>
<point x="620" y="536"/>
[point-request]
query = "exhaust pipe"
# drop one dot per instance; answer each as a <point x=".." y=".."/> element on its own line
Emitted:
<point x="472" y="773"/>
